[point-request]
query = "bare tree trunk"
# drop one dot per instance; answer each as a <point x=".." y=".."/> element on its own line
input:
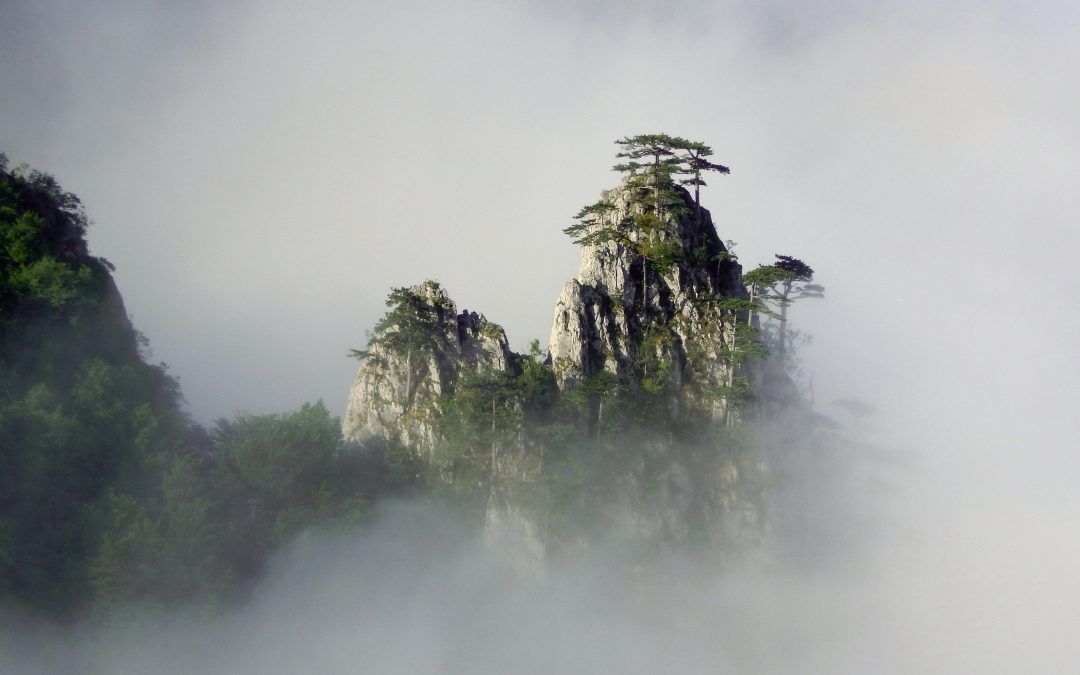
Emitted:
<point x="494" y="446"/>
<point x="656" y="183"/>
<point x="644" y="281"/>
<point x="697" y="198"/>
<point x="750" y="311"/>
<point x="408" y="379"/>
<point x="729" y="417"/>
<point x="781" y="351"/>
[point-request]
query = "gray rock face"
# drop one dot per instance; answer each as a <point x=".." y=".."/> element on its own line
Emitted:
<point x="620" y="315"/>
<point x="391" y="401"/>
<point x="655" y="328"/>
<point x="619" y="309"/>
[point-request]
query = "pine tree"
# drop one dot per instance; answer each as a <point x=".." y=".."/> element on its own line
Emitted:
<point x="650" y="227"/>
<point x="694" y="162"/>
<point x="409" y="329"/>
<point x="779" y="285"/>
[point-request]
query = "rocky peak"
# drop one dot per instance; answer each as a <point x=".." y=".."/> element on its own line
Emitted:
<point x="416" y="355"/>
<point x="623" y="311"/>
<point x="647" y="329"/>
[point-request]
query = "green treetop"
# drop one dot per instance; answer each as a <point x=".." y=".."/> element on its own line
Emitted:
<point x="650" y="228"/>
<point x="693" y="158"/>
<point x="410" y="329"/>
<point x="653" y="180"/>
<point x="779" y="285"/>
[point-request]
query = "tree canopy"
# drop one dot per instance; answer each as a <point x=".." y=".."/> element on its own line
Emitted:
<point x="779" y="285"/>
<point x="655" y="168"/>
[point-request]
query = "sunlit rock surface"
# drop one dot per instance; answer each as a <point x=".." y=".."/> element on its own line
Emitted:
<point x="604" y="317"/>
<point x="616" y="315"/>
<point x="663" y="484"/>
<point x="380" y="405"/>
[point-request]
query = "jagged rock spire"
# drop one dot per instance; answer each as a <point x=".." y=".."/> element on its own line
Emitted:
<point x="396" y="393"/>
<point x="622" y="309"/>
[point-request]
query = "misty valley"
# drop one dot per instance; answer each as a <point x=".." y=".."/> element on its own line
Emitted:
<point x="355" y="337"/>
<point x="655" y="457"/>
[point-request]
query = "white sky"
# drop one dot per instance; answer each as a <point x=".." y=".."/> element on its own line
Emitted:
<point x="262" y="173"/>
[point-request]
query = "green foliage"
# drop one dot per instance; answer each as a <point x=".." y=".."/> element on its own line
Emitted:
<point x="31" y="276"/>
<point x="783" y="282"/>
<point x="650" y="226"/>
<point x="85" y="424"/>
<point x="111" y="497"/>
<point x="483" y="415"/>
<point x="409" y="325"/>
<point x="778" y="286"/>
<point x="589" y="230"/>
<point x="671" y="156"/>
<point x="20" y="242"/>
<point x="411" y="329"/>
<point x="536" y="382"/>
<point x="131" y="555"/>
<point x="652" y="184"/>
<point x="50" y="283"/>
<point x="654" y="359"/>
<point x="109" y="494"/>
<point x="208" y="526"/>
<point x="657" y="244"/>
<point x="287" y="470"/>
<point x="695" y="163"/>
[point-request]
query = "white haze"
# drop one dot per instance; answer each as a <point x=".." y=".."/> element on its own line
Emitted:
<point x="262" y="174"/>
<point x="415" y="594"/>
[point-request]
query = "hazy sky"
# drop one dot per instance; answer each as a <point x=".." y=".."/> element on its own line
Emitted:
<point x="262" y="173"/>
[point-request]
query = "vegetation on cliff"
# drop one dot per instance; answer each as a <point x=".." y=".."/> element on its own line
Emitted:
<point x="641" y="418"/>
<point x="109" y="493"/>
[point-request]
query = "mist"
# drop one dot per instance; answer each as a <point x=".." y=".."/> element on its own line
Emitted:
<point x="922" y="572"/>
<point x="261" y="176"/>
<point x="280" y="169"/>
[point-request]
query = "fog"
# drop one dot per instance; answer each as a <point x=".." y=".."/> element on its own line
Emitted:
<point x="928" y="577"/>
<point x="262" y="175"/>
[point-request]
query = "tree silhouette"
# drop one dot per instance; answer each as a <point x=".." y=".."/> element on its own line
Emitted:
<point x="780" y="284"/>
<point x="650" y="226"/>
<point x="694" y="162"/>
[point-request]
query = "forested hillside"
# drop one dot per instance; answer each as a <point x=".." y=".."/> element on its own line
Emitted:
<point x="108" y="491"/>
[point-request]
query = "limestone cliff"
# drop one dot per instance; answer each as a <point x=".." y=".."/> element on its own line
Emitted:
<point x="619" y="429"/>
<point x="620" y="311"/>
<point x="397" y="393"/>
<point x="669" y="331"/>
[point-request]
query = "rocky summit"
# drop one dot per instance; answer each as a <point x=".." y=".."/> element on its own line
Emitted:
<point x="614" y="316"/>
<point x="615" y="425"/>
<point x="398" y="389"/>
<point x="621" y="310"/>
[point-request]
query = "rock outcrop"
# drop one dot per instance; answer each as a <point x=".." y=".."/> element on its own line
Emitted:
<point x="656" y="341"/>
<point x="397" y="393"/>
<point x="620" y="311"/>
<point x="622" y="316"/>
